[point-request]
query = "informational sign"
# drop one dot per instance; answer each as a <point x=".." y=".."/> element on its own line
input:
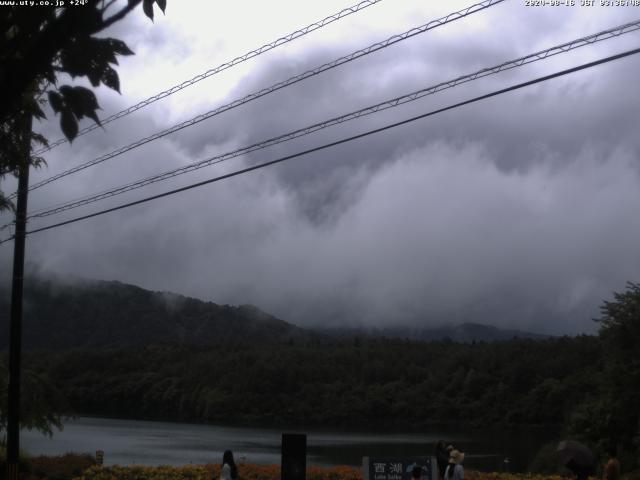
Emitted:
<point x="396" y="468"/>
<point x="294" y="457"/>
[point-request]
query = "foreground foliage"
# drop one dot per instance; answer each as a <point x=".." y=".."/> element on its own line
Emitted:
<point x="38" y="46"/>
<point x="272" y="472"/>
<point x="58" y="467"/>
<point x="262" y="472"/>
<point x="207" y="472"/>
<point x="610" y="417"/>
<point x="83" y="467"/>
<point x="42" y="402"/>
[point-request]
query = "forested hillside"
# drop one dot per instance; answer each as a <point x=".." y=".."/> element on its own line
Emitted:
<point x="158" y="356"/>
<point x="465" y="332"/>
<point x="340" y="383"/>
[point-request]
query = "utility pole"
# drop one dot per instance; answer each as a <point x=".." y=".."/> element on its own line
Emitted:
<point x="15" y="334"/>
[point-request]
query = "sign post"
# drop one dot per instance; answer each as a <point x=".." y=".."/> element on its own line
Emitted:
<point x="390" y="468"/>
<point x="294" y="457"/>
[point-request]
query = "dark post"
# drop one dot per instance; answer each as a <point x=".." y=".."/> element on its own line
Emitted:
<point x="294" y="457"/>
<point x="15" y="334"/>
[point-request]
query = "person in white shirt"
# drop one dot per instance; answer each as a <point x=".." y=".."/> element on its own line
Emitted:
<point x="454" y="470"/>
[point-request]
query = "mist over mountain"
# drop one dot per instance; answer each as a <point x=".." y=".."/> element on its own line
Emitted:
<point x="60" y="314"/>
<point x="119" y="350"/>
<point x="91" y="313"/>
<point x="462" y="333"/>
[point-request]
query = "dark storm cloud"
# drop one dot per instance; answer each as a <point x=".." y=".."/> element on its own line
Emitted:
<point x="520" y="129"/>
<point x="513" y="212"/>
<point x="435" y="237"/>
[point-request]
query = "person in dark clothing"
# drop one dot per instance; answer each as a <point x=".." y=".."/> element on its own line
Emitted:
<point x="416" y="472"/>
<point x="611" y="469"/>
<point x="229" y="471"/>
<point x="442" y="458"/>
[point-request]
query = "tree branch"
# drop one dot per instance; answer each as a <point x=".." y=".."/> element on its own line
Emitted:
<point x="120" y="15"/>
<point x="43" y="49"/>
<point x="105" y="8"/>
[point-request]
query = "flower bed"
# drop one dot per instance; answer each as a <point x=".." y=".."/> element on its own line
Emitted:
<point x="209" y="472"/>
<point x="262" y="472"/>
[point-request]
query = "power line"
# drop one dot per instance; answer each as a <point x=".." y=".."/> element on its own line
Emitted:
<point x="344" y="140"/>
<point x="563" y="48"/>
<point x="253" y="53"/>
<point x="277" y="86"/>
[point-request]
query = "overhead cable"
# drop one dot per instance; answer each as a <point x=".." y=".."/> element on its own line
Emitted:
<point x="275" y="87"/>
<point x="344" y="140"/>
<point x="224" y="66"/>
<point x="563" y="48"/>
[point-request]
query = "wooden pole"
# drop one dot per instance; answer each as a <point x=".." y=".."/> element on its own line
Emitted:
<point x="15" y="333"/>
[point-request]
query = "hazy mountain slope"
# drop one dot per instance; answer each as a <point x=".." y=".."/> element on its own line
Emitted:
<point x="101" y="313"/>
<point x="463" y="333"/>
<point x="62" y="314"/>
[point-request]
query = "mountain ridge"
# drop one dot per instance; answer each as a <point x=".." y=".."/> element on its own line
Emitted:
<point x="62" y="314"/>
<point x="462" y="333"/>
<point x="100" y="313"/>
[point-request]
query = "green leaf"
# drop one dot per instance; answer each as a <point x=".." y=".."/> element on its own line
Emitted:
<point x="70" y="101"/>
<point x="86" y="99"/>
<point x="6" y="204"/>
<point x="68" y="124"/>
<point x="106" y="52"/>
<point x="55" y="100"/>
<point x="90" y="100"/>
<point x="94" y="77"/>
<point x="119" y="47"/>
<point x="50" y="76"/>
<point x="38" y="162"/>
<point x="110" y="79"/>
<point x="147" y="6"/>
<point x="37" y="112"/>
<point x="82" y="102"/>
<point x="94" y="116"/>
<point x="39" y="138"/>
<point x="76" y="58"/>
<point x="66" y="91"/>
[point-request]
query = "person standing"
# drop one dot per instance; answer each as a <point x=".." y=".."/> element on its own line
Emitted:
<point x="416" y="472"/>
<point x="229" y="471"/>
<point x="454" y="470"/>
<point x="442" y="458"/>
<point x="611" y="470"/>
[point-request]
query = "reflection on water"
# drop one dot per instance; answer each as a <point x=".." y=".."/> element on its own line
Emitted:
<point x="128" y="442"/>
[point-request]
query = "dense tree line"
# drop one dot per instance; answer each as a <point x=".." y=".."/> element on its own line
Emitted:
<point x="339" y="383"/>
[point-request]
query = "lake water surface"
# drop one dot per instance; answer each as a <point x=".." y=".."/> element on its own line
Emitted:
<point x="127" y="442"/>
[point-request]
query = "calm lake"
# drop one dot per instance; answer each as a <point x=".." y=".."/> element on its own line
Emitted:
<point x="128" y="442"/>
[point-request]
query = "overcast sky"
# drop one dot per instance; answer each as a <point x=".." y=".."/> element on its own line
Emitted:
<point x="520" y="211"/>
